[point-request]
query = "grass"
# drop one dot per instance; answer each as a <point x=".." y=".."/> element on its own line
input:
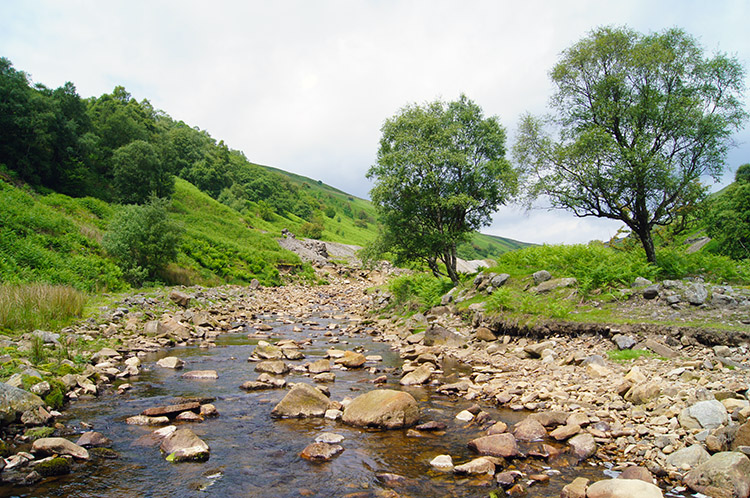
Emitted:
<point x="623" y="355"/>
<point x="515" y="300"/>
<point x="30" y="306"/>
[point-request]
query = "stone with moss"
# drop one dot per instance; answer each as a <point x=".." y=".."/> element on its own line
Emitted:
<point x="54" y="466"/>
<point x="38" y="432"/>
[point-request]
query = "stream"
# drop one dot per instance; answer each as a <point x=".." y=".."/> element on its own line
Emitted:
<point x="253" y="454"/>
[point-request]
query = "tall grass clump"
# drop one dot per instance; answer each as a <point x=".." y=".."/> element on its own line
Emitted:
<point x="30" y="306"/>
<point x="421" y="290"/>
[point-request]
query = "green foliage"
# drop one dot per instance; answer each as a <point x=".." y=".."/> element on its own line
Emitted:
<point x="35" y="433"/>
<point x="312" y="230"/>
<point x="623" y="355"/>
<point x="519" y="301"/>
<point x="421" y="290"/>
<point x="642" y="118"/>
<point x="440" y="173"/>
<point x="728" y="217"/>
<point x="140" y="174"/>
<point x="142" y="239"/>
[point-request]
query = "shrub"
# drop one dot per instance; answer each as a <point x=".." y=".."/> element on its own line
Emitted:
<point x="423" y="290"/>
<point x="311" y="230"/>
<point x="142" y="239"/>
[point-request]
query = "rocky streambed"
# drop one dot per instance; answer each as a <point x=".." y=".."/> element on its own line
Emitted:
<point x="295" y="392"/>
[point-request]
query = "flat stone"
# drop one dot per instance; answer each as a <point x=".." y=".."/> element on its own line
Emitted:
<point x="465" y="416"/>
<point x="329" y="437"/>
<point x="418" y="376"/>
<point x="623" y="488"/>
<point x="575" y="489"/>
<point x="500" y="445"/>
<point x="351" y="359"/>
<point x="321" y="452"/>
<point x="708" y="414"/>
<point x="564" y="432"/>
<point x="144" y="420"/>
<point x="93" y="439"/>
<point x="59" y="446"/>
<point x="171" y="410"/>
<point x="201" y="375"/>
<point x="383" y="408"/>
<point x="660" y="349"/>
<point x="637" y="472"/>
<point x="319" y="366"/>
<point x="688" y="458"/>
<point x="481" y="465"/>
<point x="442" y="462"/>
<point x="303" y="400"/>
<point x="276" y="367"/>
<point x="171" y="362"/>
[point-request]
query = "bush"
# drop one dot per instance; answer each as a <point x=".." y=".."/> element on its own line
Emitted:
<point x="311" y="230"/>
<point x="424" y="290"/>
<point x="142" y="239"/>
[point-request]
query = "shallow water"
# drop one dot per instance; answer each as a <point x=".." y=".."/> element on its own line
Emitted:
<point x="255" y="455"/>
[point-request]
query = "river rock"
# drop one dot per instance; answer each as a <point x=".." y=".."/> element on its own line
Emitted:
<point x="442" y="462"/>
<point x="582" y="446"/>
<point x="484" y="334"/>
<point x="637" y="472"/>
<point x="575" y="489"/>
<point x="171" y="362"/>
<point x="145" y="420"/>
<point x="201" y="375"/>
<point x="623" y="488"/>
<point x="435" y="335"/>
<point x="36" y="417"/>
<point x="566" y="431"/>
<point x="351" y="359"/>
<point x="500" y="445"/>
<point x="497" y="428"/>
<point x="416" y="377"/>
<point x="551" y="418"/>
<point x="14" y="402"/>
<point x="529" y="429"/>
<point x="93" y="439"/>
<point x="319" y="366"/>
<point x="321" y="452"/>
<point x="643" y="393"/>
<point x="179" y="298"/>
<point x="208" y="411"/>
<point x="383" y="408"/>
<point x="303" y="400"/>
<point x="742" y="437"/>
<point x="329" y="437"/>
<point x="724" y="475"/>
<point x="276" y="367"/>
<point x="183" y="445"/>
<point x="59" y="446"/>
<point x="171" y="410"/>
<point x="688" y="458"/>
<point x="708" y="414"/>
<point x="267" y="351"/>
<point x="481" y="465"/>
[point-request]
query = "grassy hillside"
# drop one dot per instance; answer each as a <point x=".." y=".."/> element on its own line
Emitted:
<point x="56" y="239"/>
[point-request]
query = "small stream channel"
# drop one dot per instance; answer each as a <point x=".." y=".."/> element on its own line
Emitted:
<point x="253" y="454"/>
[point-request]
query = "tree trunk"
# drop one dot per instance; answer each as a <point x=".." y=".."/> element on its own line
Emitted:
<point x="449" y="258"/>
<point x="648" y="244"/>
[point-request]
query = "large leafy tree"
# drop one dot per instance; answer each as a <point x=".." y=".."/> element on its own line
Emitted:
<point x="140" y="173"/>
<point x="441" y="172"/>
<point x="638" y="120"/>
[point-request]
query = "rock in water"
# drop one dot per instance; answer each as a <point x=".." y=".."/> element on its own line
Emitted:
<point x="418" y="376"/>
<point x="59" y="446"/>
<point x="352" y="359"/>
<point x="184" y="446"/>
<point x="303" y="400"/>
<point x="623" y="488"/>
<point x="93" y="439"/>
<point x="383" y="408"/>
<point x="321" y="452"/>
<point x="14" y="401"/>
<point x="725" y="474"/>
<point x="500" y="445"/>
<point x="583" y="446"/>
<point x="171" y="362"/>
<point x="201" y="375"/>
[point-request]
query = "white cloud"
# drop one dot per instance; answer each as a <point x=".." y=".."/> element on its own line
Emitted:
<point x="305" y="86"/>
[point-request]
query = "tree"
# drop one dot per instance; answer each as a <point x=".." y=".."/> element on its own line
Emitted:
<point x="142" y="239"/>
<point x="728" y="218"/>
<point x="441" y="172"/>
<point x="639" y="119"/>
<point x="139" y="173"/>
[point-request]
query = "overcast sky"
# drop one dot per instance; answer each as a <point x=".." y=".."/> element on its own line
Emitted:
<point x="306" y="85"/>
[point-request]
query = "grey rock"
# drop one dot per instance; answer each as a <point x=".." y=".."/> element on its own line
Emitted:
<point x="541" y="276"/>
<point x="582" y="446"/>
<point x="436" y="335"/>
<point x="688" y="458"/>
<point x="696" y="294"/>
<point x="183" y="445"/>
<point x="622" y="488"/>
<point x="551" y="285"/>
<point x="14" y="402"/>
<point x="303" y="400"/>
<point x="708" y="414"/>
<point x="59" y="446"/>
<point x="651" y="292"/>
<point x="623" y="341"/>
<point x="641" y="282"/>
<point x="500" y="445"/>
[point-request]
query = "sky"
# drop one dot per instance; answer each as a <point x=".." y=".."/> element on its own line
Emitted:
<point x="306" y="85"/>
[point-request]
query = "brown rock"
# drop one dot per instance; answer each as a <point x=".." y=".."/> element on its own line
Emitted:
<point x="497" y="428"/>
<point x="170" y="410"/>
<point x="564" y="432"/>
<point x="201" y="375"/>
<point x="319" y="366"/>
<point x="636" y="472"/>
<point x="93" y="439"/>
<point x="551" y="418"/>
<point x="384" y="408"/>
<point x="183" y="445"/>
<point x="501" y="445"/>
<point x="724" y="475"/>
<point x="59" y="446"/>
<point x="484" y="334"/>
<point x="529" y="429"/>
<point x="276" y="367"/>
<point x="576" y="489"/>
<point x="351" y="359"/>
<point x="321" y="452"/>
<point x="582" y="446"/>
<point x="623" y="488"/>
<point x="303" y="400"/>
<point x="180" y="298"/>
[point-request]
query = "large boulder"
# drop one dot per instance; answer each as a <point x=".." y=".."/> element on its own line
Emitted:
<point x="623" y="488"/>
<point x="303" y="400"/>
<point x="59" y="446"/>
<point x="383" y="408"/>
<point x="183" y="445"/>
<point x="14" y="402"/>
<point x="724" y="475"/>
<point x="689" y="457"/>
